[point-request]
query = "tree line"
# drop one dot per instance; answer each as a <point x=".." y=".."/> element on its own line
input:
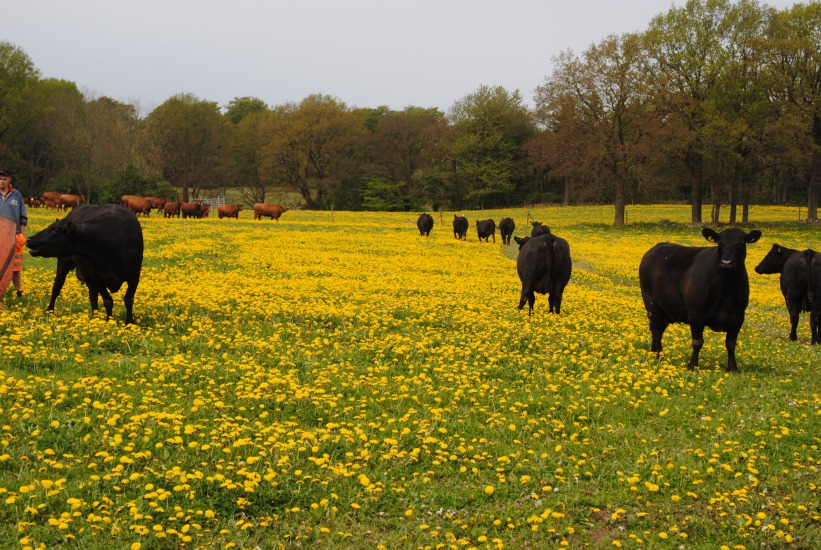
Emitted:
<point x="716" y="103"/>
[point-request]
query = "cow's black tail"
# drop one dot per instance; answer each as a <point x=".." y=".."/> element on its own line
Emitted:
<point x="809" y="256"/>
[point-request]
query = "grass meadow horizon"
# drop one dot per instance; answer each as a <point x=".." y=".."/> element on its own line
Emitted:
<point x="334" y="380"/>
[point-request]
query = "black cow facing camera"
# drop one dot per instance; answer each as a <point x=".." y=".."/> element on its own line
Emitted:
<point x="104" y="243"/>
<point x="699" y="286"/>
<point x="486" y="229"/>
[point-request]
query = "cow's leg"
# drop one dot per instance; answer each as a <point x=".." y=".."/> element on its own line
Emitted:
<point x="730" y="343"/>
<point x="815" y="325"/>
<point x="557" y="299"/>
<point x="527" y="296"/>
<point x="93" y="296"/>
<point x="794" y="309"/>
<point x="129" y="302"/>
<point x="658" y="324"/>
<point x="108" y="302"/>
<point x="697" y="332"/>
<point x="64" y="267"/>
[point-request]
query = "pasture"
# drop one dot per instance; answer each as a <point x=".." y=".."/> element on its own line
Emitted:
<point x="346" y="383"/>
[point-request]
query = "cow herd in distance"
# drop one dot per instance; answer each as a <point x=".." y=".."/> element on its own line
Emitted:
<point x="143" y="205"/>
<point x="701" y="286"/>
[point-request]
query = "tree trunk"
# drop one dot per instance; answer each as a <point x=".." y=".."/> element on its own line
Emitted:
<point x="696" y="201"/>
<point x="715" y="214"/>
<point x="733" y="205"/>
<point x="619" y="204"/>
<point x="566" y="198"/>
<point x="812" y="196"/>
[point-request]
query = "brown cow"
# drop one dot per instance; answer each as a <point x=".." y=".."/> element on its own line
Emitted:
<point x="70" y="201"/>
<point x="50" y="196"/>
<point x="125" y="198"/>
<point x="172" y="209"/>
<point x="191" y="209"/>
<point x="274" y="211"/>
<point x="205" y="211"/>
<point x="140" y="205"/>
<point x="229" y="210"/>
<point x="157" y="202"/>
<point x="50" y="203"/>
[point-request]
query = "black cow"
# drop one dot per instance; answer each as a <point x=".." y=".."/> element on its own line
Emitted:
<point x="486" y="229"/>
<point x="813" y="260"/>
<point x="460" y="227"/>
<point x="425" y="224"/>
<point x="799" y="284"/>
<point x="544" y="266"/>
<point x="506" y="228"/>
<point x="104" y="243"/>
<point x="700" y="286"/>
<point x="539" y="229"/>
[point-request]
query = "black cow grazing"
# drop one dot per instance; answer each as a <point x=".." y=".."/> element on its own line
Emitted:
<point x="539" y="229"/>
<point x="700" y="286"/>
<point x="460" y="227"/>
<point x="486" y="229"/>
<point x="105" y="245"/>
<point x="800" y="283"/>
<point x="506" y="228"/>
<point x="425" y="224"/>
<point x="544" y="266"/>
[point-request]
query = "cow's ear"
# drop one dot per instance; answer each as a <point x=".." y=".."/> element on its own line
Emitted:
<point x="710" y="234"/>
<point x="753" y="236"/>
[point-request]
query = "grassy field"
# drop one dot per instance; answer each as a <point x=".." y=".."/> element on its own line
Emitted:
<point x="338" y="381"/>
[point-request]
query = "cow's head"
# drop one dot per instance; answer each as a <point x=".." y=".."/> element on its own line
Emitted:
<point x="774" y="261"/>
<point x="521" y="241"/>
<point x="732" y="245"/>
<point x="55" y="241"/>
<point x="539" y="229"/>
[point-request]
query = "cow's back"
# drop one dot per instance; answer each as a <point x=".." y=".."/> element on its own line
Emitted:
<point x="666" y="278"/>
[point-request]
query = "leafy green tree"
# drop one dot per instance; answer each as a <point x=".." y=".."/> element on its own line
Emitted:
<point x="599" y="111"/>
<point x="310" y="146"/>
<point x="241" y="107"/>
<point x="406" y="151"/>
<point x="793" y="51"/>
<point x="190" y="137"/>
<point x="490" y="126"/>
<point x="739" y="111"/>
<point x="686" y="59"/>
<point x="19" y="112"/>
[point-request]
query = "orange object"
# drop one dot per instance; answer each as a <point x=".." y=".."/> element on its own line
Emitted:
<point x="8" y="241"/>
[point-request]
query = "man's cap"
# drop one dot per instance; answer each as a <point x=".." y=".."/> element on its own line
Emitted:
<point x="4" y="173"/>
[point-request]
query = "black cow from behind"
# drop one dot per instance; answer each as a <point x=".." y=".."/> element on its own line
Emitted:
<point x="539" y="229"/>
<point x="425" y="224"/>
<point x="544" y="266"/>
<point x="800" y="284"/>
<point x="104" y="243"/>
<point x="506" y="227"/>
<point x="486" y="229"/>
<point x="700" y="286"/>
<point x="460" y="227"/>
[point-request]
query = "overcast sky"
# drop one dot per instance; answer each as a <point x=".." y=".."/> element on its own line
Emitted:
<point x="366" y="53"/>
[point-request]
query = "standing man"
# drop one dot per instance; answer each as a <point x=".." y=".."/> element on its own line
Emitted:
<point x="12" y="208"/>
